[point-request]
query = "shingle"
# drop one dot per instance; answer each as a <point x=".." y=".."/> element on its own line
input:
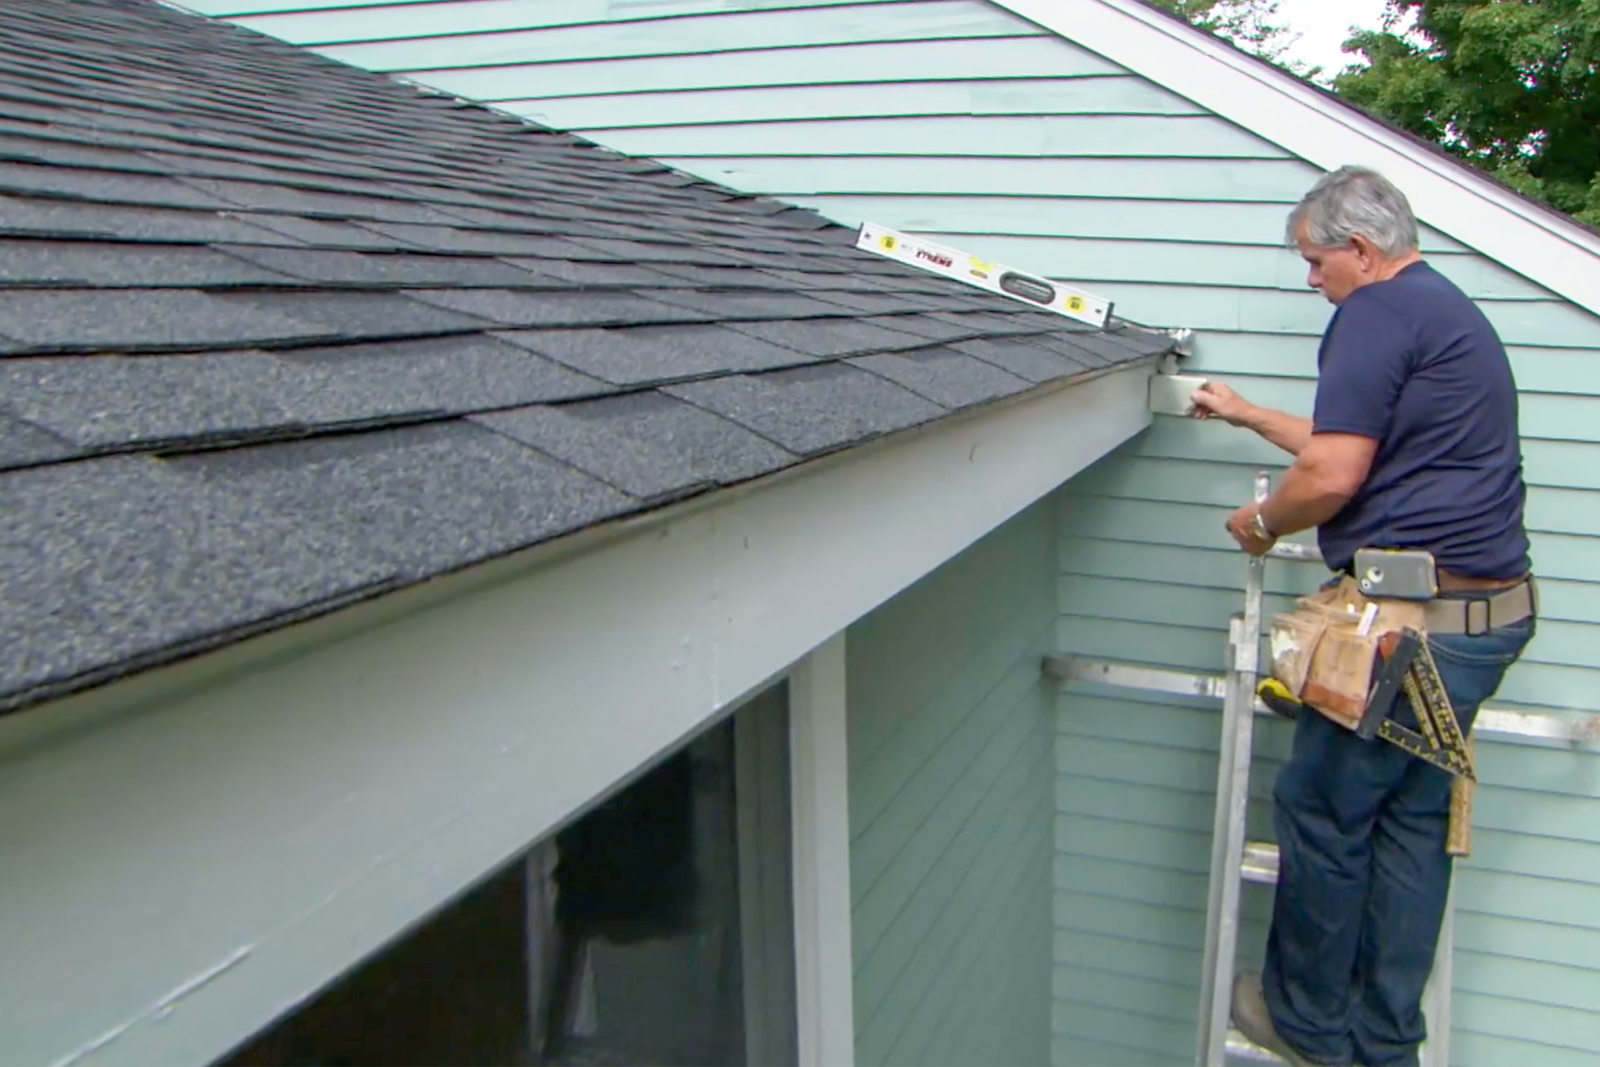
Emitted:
<point x="99" y="320"/>
<point x="582" y="275"/>
<point x="22" y="443"/>
<point x="451" y="239"/>
<point x="865" y="303"/>
<point x="102" y="186"/>
<point x="102" y="263"/>
<point x="384" y="269"/>
<point x="986" y="323"/>
<point x="927" y="326"/>
<point x="356" y="315"/>
<point x="520" y="218"/>
<point x="447" y="374"/>
<point x="950" y="379"/>
<point x="284" y="199"/>
<point x="108" y="401"/>
<point x="556" y="308"/>
<point x="647" y="444"/>
<point x="320" y="233"/>
<point x="119" y="402"/>
<point x="827" y="338"/>
<point x="702" y="277"/>
<point x="1020" y="356"/>
<point x="625" y="251"/>
<point x="423" y="500"/>
<point x="1062" y="345"/>
<point x="814" y="409"/>
<point x="48" y="146"/>
<point x="644" y="354"/>
<point x="730" y="305"/>
<point x="107" y="563"/>
<point x="68" y="218"/>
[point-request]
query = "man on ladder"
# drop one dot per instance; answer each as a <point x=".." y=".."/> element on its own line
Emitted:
<point x="1413" y="445"/>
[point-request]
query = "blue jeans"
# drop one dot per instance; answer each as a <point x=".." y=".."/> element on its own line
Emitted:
<point x="1364" y="874"/>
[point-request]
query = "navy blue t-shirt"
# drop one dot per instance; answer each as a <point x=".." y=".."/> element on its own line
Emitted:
<point x="1413" y="363"/>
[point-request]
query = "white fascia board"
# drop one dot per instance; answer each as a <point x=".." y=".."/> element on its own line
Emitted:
<point x="1273" y="104"/>
<point x="180" y="873"/>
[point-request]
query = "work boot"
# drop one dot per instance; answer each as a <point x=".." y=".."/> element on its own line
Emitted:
<point x="1254" y="1021"/>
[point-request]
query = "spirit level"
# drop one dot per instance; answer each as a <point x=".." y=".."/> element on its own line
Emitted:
<point x="995" y="277"/>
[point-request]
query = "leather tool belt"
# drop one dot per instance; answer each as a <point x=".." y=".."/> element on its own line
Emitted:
<point x="1326" y="651"/>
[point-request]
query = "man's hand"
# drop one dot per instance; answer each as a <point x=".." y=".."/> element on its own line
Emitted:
<point x="1214" y="400"/>
<point x="1242" y="525"/>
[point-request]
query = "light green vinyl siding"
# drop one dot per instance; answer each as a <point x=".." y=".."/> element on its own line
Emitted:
<point x="955" y="119"/>
<point x="951" y="729"/>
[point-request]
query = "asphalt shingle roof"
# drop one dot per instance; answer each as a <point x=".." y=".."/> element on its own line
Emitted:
<point x="277" y="334"/>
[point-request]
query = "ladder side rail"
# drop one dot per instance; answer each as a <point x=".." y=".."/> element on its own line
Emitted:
<point x="1228" y="828"/>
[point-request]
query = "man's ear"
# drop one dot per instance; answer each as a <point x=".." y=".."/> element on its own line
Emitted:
<point x="1367" y="251"/>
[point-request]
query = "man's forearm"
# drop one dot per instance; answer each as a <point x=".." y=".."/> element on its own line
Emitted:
<point x="1288" y="432"/>
<point x="1301" y="501"/>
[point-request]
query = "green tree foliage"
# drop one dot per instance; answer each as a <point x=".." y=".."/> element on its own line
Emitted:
<point x="1253" y="25"/>
<point x="1512" y="86"/>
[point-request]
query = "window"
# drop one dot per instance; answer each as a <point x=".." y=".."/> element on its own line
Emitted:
<point x="656" y="928"/>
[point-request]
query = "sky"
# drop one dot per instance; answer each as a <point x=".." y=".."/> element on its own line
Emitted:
<point x="1323" y="25"/>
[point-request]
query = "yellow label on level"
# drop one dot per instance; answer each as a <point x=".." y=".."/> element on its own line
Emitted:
<point x="1075" y="303"/>
<point x="887" y="242"/>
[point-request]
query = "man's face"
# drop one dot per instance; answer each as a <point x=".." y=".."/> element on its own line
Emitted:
<point x="1334" y="272"/>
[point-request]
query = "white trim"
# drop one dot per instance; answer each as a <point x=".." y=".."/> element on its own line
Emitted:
<point x="232" y="847"/>
<point x="824" y="989"/>
<point x="1273" y="104"/>
<point x="762" y="775"/>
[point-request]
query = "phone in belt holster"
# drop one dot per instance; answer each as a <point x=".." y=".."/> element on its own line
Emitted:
<point x="1396" y="573"/>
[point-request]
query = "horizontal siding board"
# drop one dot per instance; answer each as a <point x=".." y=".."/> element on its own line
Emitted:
<point x="1528" y="940"/>
<point x="1558" y="464"/>
<point x="599" y="114"/>
<point x="983" y="214"/>
<point x="362" y="20"/>
<point x="1070" y="1051"/>
<point x="1521" y="1019"/>
<point x="1195" y="179"/>
<point x="1231" y="264"/>
<point x="1101" y="953"/>
<point x="848" y="64"/>
<point x="1537" y="370"/>
<point x="1549" y="983"/>
<point x="1470" y="1049"/>
<point x="235" y="9"/>
<point x="1221" y="308"/>
<point x="985" y="137"/>
<point x="736" y="31"/>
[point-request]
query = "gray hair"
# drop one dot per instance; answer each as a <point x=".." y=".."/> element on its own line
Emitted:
<point x="1356" y="200"/>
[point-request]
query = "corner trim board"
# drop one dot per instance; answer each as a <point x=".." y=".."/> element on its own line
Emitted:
<point x="824" y="987"/>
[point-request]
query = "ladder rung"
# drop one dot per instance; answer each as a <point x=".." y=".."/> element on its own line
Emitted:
<point x="1243" y="1050"/>
<point x="1260" y="863"/>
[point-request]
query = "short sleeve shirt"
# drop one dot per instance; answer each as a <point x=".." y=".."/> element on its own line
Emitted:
<point x="1412" y="363"/>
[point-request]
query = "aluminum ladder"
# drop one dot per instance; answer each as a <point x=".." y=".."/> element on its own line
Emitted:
<point x="1237" y="861"/>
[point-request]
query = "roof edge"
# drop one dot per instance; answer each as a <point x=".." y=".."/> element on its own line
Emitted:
<point x="1446" y="194"/>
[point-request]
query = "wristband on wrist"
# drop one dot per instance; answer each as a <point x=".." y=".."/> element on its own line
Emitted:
<point x="1261" y="527"/>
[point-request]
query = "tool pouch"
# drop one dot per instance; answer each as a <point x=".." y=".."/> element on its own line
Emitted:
<point x="1325" y="651"/>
